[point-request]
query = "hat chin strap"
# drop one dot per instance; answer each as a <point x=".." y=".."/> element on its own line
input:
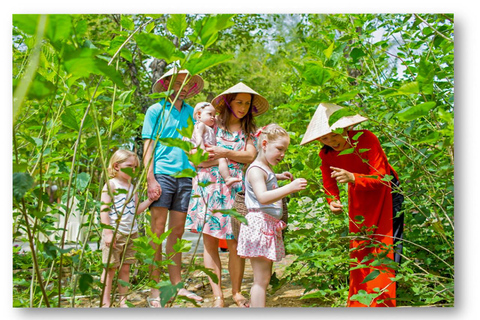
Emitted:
<point x="192" y="88"/>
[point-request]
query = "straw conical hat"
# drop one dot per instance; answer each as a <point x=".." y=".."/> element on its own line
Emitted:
<point x="260" y="104"/>
<point x="319" y="127"/>
<point x="195" y="82"/>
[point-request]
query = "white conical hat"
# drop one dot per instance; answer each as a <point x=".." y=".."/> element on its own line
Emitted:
<point x="319" y="127"/>
<point x="196" y="82"/>
<point x="260" y="104"/>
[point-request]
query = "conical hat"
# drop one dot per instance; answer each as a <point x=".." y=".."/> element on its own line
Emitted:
<point x="195" y="82"/>
<point x="319" y="127"/>
<point x="260" y="104"/>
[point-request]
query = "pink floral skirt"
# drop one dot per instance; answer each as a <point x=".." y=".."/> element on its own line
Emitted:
<point x="262" y="237"/>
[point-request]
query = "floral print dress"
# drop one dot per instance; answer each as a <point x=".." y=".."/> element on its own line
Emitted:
<point x="209" y="192"/>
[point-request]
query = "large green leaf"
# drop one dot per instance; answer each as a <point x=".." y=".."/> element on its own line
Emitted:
<point x="176" y="142"/>
<point x="69" y="119"/>
<point x="22" y="182"/>
<point x="40" y="88"/>
<point x="206" y="30"/>
<point x="185" y="173"/>
<point x="85" y="282"/>
<point x="127" y="22"/>
<point x="198" y="157"/>
<point x="177" y="24"/>
<point x="168" y="291"/>
<point x="233" y="213"/>
<point x="426" y="73"/>
<point x="26" y="22"/>
<point x="371" y="276"/>
<point x="356" y="54"/>
<point x="329" y="50"/>
<point x="409" y="88"/>
<point x="83" y="178"/>
<point x="208" y="271"/>
<point x="340" y="113"/>
<point x="315" y="74"/>
<point x="182" y="245"/>
<point x="59" y="28"/>
<point x="82" y="63"/>
<point x="414" y="112"/>
<point x="199" y="64"/>
<point x="345" y="96"/>
<point x="158" y="47"/>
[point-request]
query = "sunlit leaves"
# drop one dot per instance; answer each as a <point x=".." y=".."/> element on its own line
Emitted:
<point x="26" y="22"/>
<point x="83" y="180"/>
<point x="22" y="182"/>
<point x="414" y="112"/>
<point x="233" y="213"/>
<point x="177" y="24"/>
<point x="127" y="22"/>
<point x="328" y="52"/>
<point x="206" y="30"/>
<point x="340" y="113"/>
<point x="83" y="62"/>
<point x="176" y="142"/>
<point x="315" y="74"/>
<point x="426" y="73"/>
<point x="356" y="54"/>
<point x="59" y="28"/>
<point x="158" y="47"/>
<point x="200" y="63"/>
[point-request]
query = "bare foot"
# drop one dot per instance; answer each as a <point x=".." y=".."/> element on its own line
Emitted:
<point x="231" y="180"/>
<point x="241" y="301"/>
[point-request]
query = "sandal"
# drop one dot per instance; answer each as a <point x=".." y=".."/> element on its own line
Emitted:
<point x="218" y="302"/>
<point x="150" y="300"/>
<point x="191" y="295"/>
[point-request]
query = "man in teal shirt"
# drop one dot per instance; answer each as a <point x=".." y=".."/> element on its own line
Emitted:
<point x="163" y="119"/>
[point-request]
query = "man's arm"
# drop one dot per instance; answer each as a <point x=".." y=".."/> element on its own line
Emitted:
<point x="152" y="185"/>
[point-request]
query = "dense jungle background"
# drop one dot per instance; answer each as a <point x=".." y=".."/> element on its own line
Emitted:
<point x="82" y="84"/>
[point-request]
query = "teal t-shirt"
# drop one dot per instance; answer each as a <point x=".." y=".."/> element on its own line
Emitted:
<point x="166" y="118"/>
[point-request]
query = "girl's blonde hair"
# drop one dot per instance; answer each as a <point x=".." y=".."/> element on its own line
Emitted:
<point x="270" y="132"/>
<point x="120" y="156"/>
<point x="199" y="108"/>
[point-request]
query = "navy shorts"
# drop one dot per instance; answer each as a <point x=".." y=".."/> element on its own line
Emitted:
<point x="176" y="193"/>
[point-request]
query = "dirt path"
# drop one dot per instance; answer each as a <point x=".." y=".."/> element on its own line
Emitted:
<point x="287" y="296"/>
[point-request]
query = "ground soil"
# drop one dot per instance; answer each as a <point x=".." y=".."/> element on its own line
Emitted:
<point x="287" y="296"/>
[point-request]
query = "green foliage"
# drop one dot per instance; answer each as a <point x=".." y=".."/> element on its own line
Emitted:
<point x="82" y="84"/>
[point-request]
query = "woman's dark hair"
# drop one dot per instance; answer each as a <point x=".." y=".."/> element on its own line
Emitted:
<point x="327" y="149"/>
<point x="247" y="122"/>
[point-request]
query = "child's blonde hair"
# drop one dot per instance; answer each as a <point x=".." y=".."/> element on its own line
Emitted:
<point x="270" y="132"/>
<point x="199" y="107"/>
<point x="120" y="156"/>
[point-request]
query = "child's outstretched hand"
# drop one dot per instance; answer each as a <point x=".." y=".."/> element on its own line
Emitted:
<point x="336" y="207"/>
<point x="298" y="184"/>
<point x="285" y="176"/>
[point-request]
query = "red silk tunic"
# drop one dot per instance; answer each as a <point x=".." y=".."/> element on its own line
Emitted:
<point x="371" y="198"/>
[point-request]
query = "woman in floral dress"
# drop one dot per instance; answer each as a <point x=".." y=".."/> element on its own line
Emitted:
<point x="234" y="130"/>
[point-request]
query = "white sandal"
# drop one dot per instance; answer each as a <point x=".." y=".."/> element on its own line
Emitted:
<point x="219" y="304"/>
<point x="150" y="300"/>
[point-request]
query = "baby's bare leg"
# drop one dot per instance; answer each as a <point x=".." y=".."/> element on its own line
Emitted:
<point x="225" y="172"/>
